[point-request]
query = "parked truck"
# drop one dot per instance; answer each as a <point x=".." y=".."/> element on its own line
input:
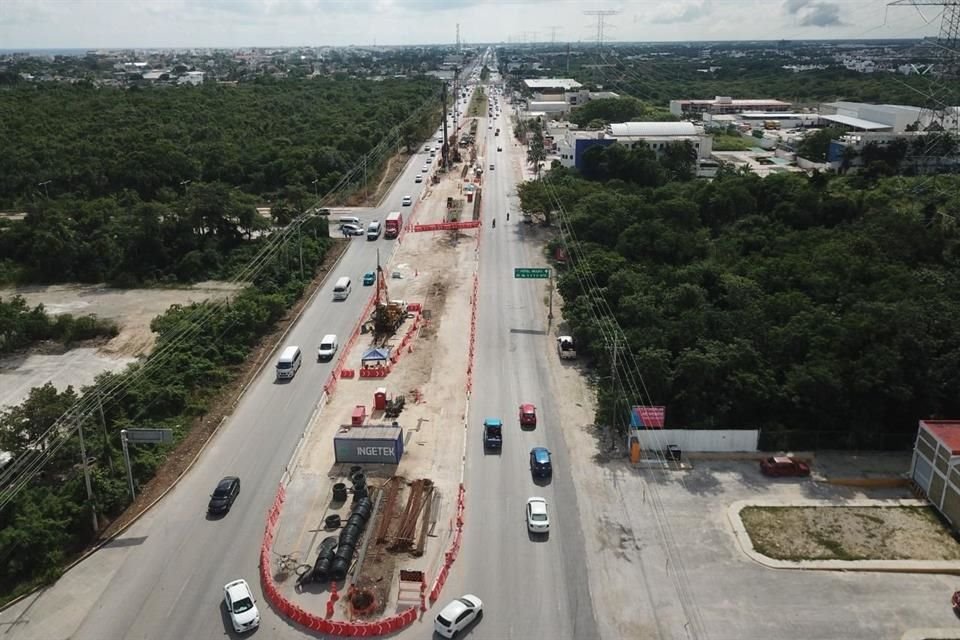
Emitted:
<point x="393" y="225"/>
<point x="566" y="348"/>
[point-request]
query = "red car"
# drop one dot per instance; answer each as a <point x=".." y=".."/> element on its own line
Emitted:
<point x="528" y="415"/>
<point x="784" y="466"/>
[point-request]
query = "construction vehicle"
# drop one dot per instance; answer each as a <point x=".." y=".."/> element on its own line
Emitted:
<point x="388" y="314"/>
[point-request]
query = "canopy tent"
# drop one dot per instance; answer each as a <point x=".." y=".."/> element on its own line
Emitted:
<point x="375" y="355"/>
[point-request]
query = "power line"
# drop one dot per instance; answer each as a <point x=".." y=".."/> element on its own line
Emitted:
<point x="16" y="475"/>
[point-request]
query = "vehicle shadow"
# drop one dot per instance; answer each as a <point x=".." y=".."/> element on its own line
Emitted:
<point x="228" y="625"/>
<point x="538" y="537"/>
<point x="542" y="481"/>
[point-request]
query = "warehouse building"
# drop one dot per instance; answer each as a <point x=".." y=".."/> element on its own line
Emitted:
<point x="936" y="466"/>
<point x="893" y="118"/>
<point x="657" y="135"/>
<point x="724" y="105"/>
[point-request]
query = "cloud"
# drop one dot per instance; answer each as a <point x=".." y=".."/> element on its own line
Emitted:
<point x="815" y="13"/>
<point x="683" y="13"/>
<point x="23" y="12"/>
<point x="793" y="6"/>
<point x="822" y="15"/>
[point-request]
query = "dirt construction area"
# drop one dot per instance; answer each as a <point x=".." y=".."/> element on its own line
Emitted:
<point x="415" y="501"/>
<point x="849" y="533"/>
<point x="132" y="309"/>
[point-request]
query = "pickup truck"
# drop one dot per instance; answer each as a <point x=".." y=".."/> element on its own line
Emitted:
<point x="566" y="348"/>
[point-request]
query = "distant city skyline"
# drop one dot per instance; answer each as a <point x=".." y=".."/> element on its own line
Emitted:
<point x="137" y="24"/>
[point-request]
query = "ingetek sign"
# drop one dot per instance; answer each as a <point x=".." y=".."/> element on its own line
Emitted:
<point x="376" y="451"/>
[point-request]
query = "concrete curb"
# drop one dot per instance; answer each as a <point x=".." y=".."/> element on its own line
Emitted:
<point x="180" y="477"/>
<point x="745" y="543"/>
<point x="930" y="634"/>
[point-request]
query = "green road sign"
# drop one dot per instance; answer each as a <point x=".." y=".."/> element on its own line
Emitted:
<point x="527" y="272"/>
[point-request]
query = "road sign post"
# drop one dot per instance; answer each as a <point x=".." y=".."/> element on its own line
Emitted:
<point x="536" y="273"/>
<point x="142" y="436"/>
<point x="531" y="273"/>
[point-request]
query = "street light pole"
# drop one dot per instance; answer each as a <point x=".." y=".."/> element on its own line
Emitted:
<point x="184" y="183"/>
<point x="316" y="190"/>
<point x="44" y="185"/>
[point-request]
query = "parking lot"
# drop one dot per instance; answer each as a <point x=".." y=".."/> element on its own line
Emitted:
<point x="663" y="561"/>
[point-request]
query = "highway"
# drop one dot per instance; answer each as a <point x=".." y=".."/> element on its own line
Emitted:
<point x="163" y="578"/>
<point x="530" y="587"/>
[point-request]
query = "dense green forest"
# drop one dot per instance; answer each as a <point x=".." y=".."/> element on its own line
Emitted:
<point x="260" y="137"/>
<point x="21" y="326"/>
<point x="161" y="185"/>
<point x="50" y="520"/>
<point x="150" y="187"/>
<point x="819" y="310"/>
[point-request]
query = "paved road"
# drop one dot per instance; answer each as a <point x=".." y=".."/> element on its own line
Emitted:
<point x="163" y="578"/>
<point x="530" y="587"/>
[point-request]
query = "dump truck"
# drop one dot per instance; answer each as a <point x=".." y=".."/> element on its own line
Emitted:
<point x="566" y="348"/>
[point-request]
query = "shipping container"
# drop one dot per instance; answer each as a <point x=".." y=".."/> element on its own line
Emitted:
<point x="371" y="445"/>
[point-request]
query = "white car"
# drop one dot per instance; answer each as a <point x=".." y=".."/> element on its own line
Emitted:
<point x="457" y="615"/>
<point x="537" y="519"/>
<point x="418" y="179"/>
<point x="241" y="606"/>
<point x="407" y="201"/>
<point x="425" y="168"/>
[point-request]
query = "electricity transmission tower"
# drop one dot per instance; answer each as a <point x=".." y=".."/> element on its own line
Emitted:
<point x="946" y="56"/>
<point x="601" y="15"/>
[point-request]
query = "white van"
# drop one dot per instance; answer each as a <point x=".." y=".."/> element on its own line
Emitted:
<point x="328" y="347"/>
<point x="289" y="362"/>
<point x="342" y="289"/>
<point x="349" y="220"/>
<point x="374" y="229"/>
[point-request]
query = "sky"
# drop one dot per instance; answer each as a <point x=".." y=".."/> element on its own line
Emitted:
<point x="93" y="24"/>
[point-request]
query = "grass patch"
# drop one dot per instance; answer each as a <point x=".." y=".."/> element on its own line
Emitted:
<point x="730" y="143"/>
<point x="849" y="533"/>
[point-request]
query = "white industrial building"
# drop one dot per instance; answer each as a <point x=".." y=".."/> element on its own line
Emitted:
<point x="726" y="104"/>
<point x="557" y="96"/>
<point x="191" y="77"/>
<point x="893" y="118"/>
<point x="657" y="135"/>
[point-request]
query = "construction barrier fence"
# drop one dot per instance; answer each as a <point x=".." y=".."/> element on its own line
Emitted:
<point x="312" y="621"/>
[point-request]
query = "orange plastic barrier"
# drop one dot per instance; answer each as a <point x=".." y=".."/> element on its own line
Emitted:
<point x="347" y="373"/>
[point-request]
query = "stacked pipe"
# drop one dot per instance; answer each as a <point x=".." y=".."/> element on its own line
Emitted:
<point x="349" y="537"/>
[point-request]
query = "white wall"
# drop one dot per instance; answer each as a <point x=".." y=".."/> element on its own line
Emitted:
<point x="698" y="439"/>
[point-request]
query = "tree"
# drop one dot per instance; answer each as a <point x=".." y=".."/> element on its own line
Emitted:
<point x="536" y="153"/>
<point x="25" y="424"/>
<point x="815" y="146"/>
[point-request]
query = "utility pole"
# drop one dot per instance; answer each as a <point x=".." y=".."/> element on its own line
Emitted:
<point x="553" y="34"/>
<point x="300" y="248"/>
<point x="86" y="476"/>
<point x="614" y="347"/>
<point x="106" y="438"/>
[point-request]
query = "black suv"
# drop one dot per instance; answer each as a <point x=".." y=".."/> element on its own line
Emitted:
<point x="223" y="496"/>
<point x="540" y="464"/>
